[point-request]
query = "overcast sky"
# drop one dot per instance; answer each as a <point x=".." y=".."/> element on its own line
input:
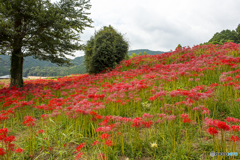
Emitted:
<point x="160" y="25"/>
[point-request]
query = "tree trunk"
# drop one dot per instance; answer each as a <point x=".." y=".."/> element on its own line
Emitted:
<point x="16" y="69"/>
<point x="17" y="55"/>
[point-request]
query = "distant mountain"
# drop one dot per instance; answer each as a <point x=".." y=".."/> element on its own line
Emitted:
<point x="35" y="67"/>
<point x="144" y="50"/>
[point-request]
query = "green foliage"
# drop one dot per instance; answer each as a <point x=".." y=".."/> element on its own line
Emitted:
<point x="47" y="30"/>
<point x="105" y="50"/>
<point x="179" y="46"/>
<point x="44" y="30"/>
<point x="238" y="32"/>
<point x="53" y="71"/>
<point x="35" y="67"/>
<point x="225" y="36"/>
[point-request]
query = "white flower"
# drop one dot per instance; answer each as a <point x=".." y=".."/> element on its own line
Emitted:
<point x="154" y="145"/>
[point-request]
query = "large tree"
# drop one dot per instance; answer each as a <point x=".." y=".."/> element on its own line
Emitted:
<point x="105" y="50"/>
<point x="238" y="32"/>
<point x="44" y="30"/>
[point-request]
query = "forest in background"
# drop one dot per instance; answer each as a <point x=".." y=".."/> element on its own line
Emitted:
<point x="35" y="67"/>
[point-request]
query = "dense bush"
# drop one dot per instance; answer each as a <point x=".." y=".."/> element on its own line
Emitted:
<point x="105" y="50"/>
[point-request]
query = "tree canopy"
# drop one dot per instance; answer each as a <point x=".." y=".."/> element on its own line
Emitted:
<point x="105" y="50"/>
<point x="225" y="36"/>
<point x="44" y="30"/>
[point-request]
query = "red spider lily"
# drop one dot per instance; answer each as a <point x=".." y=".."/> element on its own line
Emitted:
<point x="104" y="136"/>
<point x="146" y="115"/>
<point x="147" y="124"/>
<point x="79" y="155"/>
<point x="184" y="115"/>
<point x="212" y="131"/>
<point x="235" y="128"/>
<point x="19" y="150"/>
<point x="3" y="131"/>
<point x="231" y="119"/>
<point x="40" y="131"/>
<point x="137" y="122"/>
<point x="29" y="121"/>
<point x="187" y="120"/>
<point x="2" y="152"/>
<point x="104" y="129"/>
<point x="234" y="138"/>
<point x="95" y="143"/>
<point x="109" y="143"/>
<point x="9" y="139"/>
<point x="223" y="126"/>
<point x="80" y="147"/>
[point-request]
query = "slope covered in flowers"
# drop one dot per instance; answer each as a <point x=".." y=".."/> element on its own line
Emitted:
<point x="183" y="104"/>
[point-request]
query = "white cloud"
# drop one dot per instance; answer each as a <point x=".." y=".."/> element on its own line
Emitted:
<point x="162" y="25"/>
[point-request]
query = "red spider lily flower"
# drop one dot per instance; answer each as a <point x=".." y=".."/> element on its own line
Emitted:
<point x="234" y="138"/>
<point x="231" y="119"/>
<point x="104" y="129"/>
<point x="104" y="122"/>
<point x="223" y="126"/>
<point x="79" y="155"/>
<point x="187" y="120"/>
<point x="109" y="143"/>
<point x="40" y="131"/>
<point x="146" y="115"/>
<point x="29" y="121"/>
<point x="19" y="150"/>
<point x="184" y="115"/>
<point x="98" y="117"/>
<point x="95" y="143"/>
<point x="235" y="128"/>
<point x="9" y="139"/>
<point x="2" y="152"/>
<point x="44" y="116"/>
<point x="3" y="131"/>
<point x="147" y="124"/>
<point x="104" y="136"/>
<point x="137" y="122"/>
<point x="93" y="113"/>
<point x="212" y="131"/>
<point x="80" y="147"/>
<point x="65" y="145"/>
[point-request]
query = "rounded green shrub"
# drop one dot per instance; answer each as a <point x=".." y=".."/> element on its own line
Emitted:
<point x="105" y="50"/>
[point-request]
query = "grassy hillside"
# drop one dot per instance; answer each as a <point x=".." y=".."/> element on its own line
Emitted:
<point x="178" y="105"/>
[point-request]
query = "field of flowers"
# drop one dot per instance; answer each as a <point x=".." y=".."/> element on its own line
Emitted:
<point x="178" y="105"/>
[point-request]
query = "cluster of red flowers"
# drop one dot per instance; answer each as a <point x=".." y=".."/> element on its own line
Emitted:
<point x="78" y="149"/>
<point x="29" y="121"/>
<point x="223" y="126"/>
<point x="7" y="142"/>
